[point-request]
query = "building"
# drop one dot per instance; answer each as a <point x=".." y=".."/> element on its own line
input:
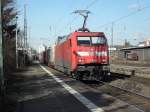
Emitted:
<point x="145" y="43"/>
<point x="141" y="53"/>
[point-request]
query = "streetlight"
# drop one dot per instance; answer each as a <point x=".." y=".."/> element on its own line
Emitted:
<point x="17" y="42"/>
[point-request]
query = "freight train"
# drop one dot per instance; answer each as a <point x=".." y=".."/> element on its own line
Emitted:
<point x="82" y="54"/>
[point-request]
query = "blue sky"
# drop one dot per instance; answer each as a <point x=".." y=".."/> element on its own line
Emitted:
<point x="49" y="18"/>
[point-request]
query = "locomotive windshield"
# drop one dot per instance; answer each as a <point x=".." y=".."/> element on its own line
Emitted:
<point x="89" y="41"/>
<point x="84" y="41"/>
<point x="98" y="40"/>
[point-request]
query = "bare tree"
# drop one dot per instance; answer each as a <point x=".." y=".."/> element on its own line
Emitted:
<point x="9" y="13"/>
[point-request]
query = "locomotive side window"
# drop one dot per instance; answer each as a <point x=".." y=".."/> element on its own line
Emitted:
<point x="84" y="41"/>
<point x="70" y="43"/>
<point x="98" y="40"/>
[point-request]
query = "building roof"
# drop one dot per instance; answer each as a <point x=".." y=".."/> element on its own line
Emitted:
<point x="132" y="48"/>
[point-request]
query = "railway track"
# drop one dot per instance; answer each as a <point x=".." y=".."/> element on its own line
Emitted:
<point x="132" y="98"/>
<point x="130" y="78"/>
<point x="138" y="79"/>
<point x="126" y="90"/>
<point x="136" y="99"/>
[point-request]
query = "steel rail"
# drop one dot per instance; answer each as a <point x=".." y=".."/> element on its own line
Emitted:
<point x="138" y="94"/>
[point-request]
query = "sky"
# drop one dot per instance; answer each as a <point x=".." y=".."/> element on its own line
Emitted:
<point x="48" y="19"/>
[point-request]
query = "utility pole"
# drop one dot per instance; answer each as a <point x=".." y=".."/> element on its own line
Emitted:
<point x="25" y="32"/>
<point x="29" y="37"/>
<point x="112" y="39"/>
<point x="112" y="35"/>
<point x="25" y="25"/>
<point x="16" y="42"/>
<point x="1" y="60"/>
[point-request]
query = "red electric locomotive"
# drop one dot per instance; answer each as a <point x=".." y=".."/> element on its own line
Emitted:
<point x="83" y="54"/>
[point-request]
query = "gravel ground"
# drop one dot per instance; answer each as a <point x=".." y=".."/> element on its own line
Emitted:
<point x="143" y="72"/>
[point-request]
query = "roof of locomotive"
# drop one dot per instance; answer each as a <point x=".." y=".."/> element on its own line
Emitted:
<point x="62" y="39"/>
<point x="91" y="34"/>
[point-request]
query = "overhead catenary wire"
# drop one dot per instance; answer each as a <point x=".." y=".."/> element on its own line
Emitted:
<point x="60" y="20"/>
<point x="87" y="7"/>
<point x="121" y="18"/>
<point x="125" y="16"/>
<point x="91" y="4"/>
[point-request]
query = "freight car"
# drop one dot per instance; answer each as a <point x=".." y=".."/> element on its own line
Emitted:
<point x="43" y="57"/>
<point x="83" y="55"/>
<point x="51" y="57"/>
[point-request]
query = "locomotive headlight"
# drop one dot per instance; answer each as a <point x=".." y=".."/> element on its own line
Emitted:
<point x="104" y="61"/>
<point x="80" y="60"/>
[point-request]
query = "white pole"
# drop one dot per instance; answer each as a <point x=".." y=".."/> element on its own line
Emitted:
<point x="112" y="35"/>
